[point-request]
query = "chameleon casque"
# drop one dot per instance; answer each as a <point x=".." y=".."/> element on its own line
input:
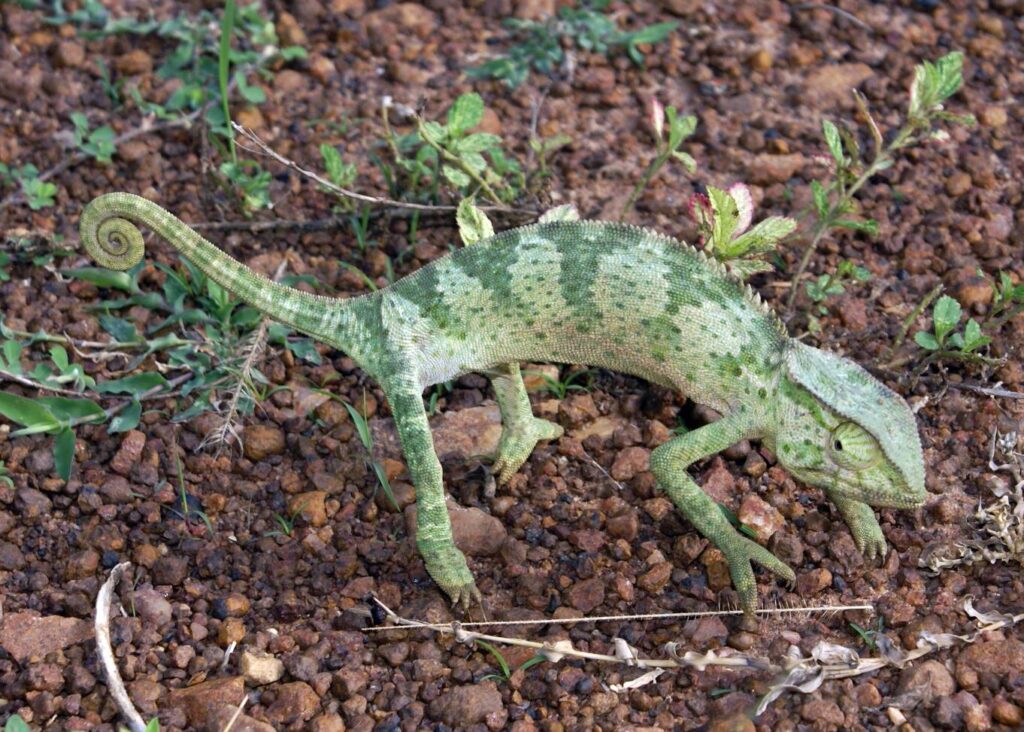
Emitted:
<point x="602" y="294"/>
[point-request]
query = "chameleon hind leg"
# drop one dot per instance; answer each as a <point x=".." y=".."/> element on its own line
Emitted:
<point x="520" y="430"/>
<point x="669" y="463"/>
<point x="444" y="562"/>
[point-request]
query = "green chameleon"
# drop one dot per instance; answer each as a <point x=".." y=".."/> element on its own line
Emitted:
<point x="602" y="294"/>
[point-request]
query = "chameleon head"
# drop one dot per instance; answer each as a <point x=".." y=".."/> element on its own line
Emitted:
<point x="839" y="428"/>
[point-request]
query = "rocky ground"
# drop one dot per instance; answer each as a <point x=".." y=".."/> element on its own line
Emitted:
<point x="581" y="529"/>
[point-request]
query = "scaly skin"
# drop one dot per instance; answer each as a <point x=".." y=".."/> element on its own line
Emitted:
<point x="600" y="294"/>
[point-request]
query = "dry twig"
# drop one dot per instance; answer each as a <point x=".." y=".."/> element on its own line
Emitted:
<point x="109" y="664"/>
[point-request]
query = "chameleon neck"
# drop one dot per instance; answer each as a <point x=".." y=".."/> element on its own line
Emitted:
<point x="109" y="231"/>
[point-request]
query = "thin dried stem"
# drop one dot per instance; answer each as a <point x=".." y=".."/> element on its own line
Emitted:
<point x="106" y="652"/>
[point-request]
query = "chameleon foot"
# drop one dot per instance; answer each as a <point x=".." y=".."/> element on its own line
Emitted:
<point x="740" y="552"/>
<point x="867" y="534"/>
<point x="518" y="441"/>
<point x="449" y="570"/>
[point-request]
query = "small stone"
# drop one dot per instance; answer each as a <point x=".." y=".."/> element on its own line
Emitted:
<point x="534" y="376"/>
<point x="116" y="489"/>
<point x="82" y="564"/>
<point x="32" y="503"/>
<point x="327" y="723"/>
<point x="586" y="594"/>
<point x="152" y="607"/>
<point x="199" y="701"/>
<point x="760" y="516"/>
<point x="630" y="462"/>
<point x="145" y="693"/>
<point x="823" y="712"/>
<point x="44" y="677"/>
<point x="1008" y="713"/>
<point x="707" y="631"/>
<point x="397" y="21"/>
<point x="766" y="168"/>
<point x="997" y="657"/>
<point x="813" y="582"/>
<point x="262" y="441"/>
<point x="289" y="31"/>
<point x="928" y="681"/>
<point x="170" y="569"/>
<point x="260" y="668"/>
<point x="348" y="682"/>
<point x="322" y="69"/>
<point x="69" y="54"/>
<point x="738" y="722"/>
<point x="655" y="579"/>
<point x="958" y="183"/>
<point x="236" y="604"/>
<point x="129" y="453"/>
<point x="251" y="118"/>
<point x="394" y="653"/>
<point x="760" y="60"/>
<point x="717" y="569"/>
<point x="288" y="82"/>
<point x="830" y="86"/>
<point x="467" y="705"/>
<point x="232" y="630"/>
<point x="995" y="117"/>
<point x="625" y="526"/>
<point x="311" y="506"/>
<point x="27" y="635"/>
<point x="476" y="533"/>
<point x="134" y="62"/>
<point x="295" y="702"/>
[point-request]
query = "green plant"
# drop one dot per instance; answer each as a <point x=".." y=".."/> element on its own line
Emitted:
<point x="438" y="391"/>
<point x="38" y="193"/>
<point x="868" y="635"/>
<point x="183" y="508"/>
<point x="540" y="47"/>
<point x="1007" y="302"/>
<point x="506" y="670"/>
<point x="831" y="284"/>
<point x="679" y="128"/>
<point x="5" y="261"/>
<point x="5" y="475"/>
<point x="561" y="387"/>
<point x="723" y="219"/>
<point x="834" y="200"/>
<point x="16" y="724"/>
<point x="55" y="415"/>
<point x="947" y="341"/>
<point x="366" y="437"/>
<point x="97" y="143"/>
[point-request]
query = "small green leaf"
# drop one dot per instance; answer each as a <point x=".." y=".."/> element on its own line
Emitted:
<point x="64" y="452"/>
<point x="765" y="235"/>
<point x="820" y="199"/>
<point x="16" y="724"/>
<point x="477" y="142"/>
<point x="473" y="223"/>
<point x="455" y="176"/>
<point x="465" y="113"/>
<point x="136" y="385"/>
<point x="251" y="94"/>
<point x="102" y="277"/>
<point x="66" y="409"/>
<point x="432" y="132"/>
<point x="868" y="226"/>
<point x="926" y="340"/>
<point x="12" y="357"/>
<point x="153" y="725"/>
<point x="834" y="141"/>
<point x="59" y="356"/>
<point x="28" y="412"/>
<point x="686" y="159"/>
<point x="127" y="419"/>
<point x="122" y="330"/>
<point x="946" y="316"/>
<point x="973" y="339"/>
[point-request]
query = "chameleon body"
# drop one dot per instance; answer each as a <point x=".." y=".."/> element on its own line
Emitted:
<point x="601" y="294"/>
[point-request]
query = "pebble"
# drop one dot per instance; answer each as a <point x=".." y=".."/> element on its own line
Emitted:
<point x="766" y="168"/>
<point x="467" y="705"/>
<point x="262" y="440"/>
<point x="311" y="506"/>
<point x="760" y="516"/>
<point x="830" y="86"/>
<point x="624" y="526"/>
<point x="812" y="582"/>
<point x="476" y="533"/>
<point x="823" y="712"/>
<point x="348" y="682"/>
<point x="958" y="183"/>
<point x="69" y="54"/>
<point x="1008" y="713"/>
<point x="198" y="702"/>
<point x="116" y="489"/>
<point x="232" y="630"/>
<point x="170" y="569"/>
<point x="134" y="62"/>
<point x="586" y="595"/>
<point x="26" y="635"/>
<point x="260" y="668"/>
<point x="152" y="607"/>
<point x="129" y="453"/>
<point x="631" y="461"/>
<point x="927" y="680"/>
<point x="655" y="579"/>
<point x="295" y="702"/>
<point x="760" y="60"/>
<point x="994" y="116"/>
<point x="717" y="569"/>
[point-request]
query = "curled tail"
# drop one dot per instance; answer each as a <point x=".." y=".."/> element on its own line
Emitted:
<point x="109" y="228"/>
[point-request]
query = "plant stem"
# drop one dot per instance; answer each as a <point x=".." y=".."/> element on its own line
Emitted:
<point x="457" y="161"/>
<point x="649" y="173"/>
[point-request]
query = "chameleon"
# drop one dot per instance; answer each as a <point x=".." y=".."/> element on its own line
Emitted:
<point x="603" y="294"/>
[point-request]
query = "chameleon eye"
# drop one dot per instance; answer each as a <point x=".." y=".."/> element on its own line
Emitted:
<point x="851" y="446"/>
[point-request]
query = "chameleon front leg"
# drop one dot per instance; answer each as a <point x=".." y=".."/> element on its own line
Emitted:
<point x="860" y="517"/>
<point x="669" y="463"/>
<point x="444" y="562"/>
<point x="520" y="431"/>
